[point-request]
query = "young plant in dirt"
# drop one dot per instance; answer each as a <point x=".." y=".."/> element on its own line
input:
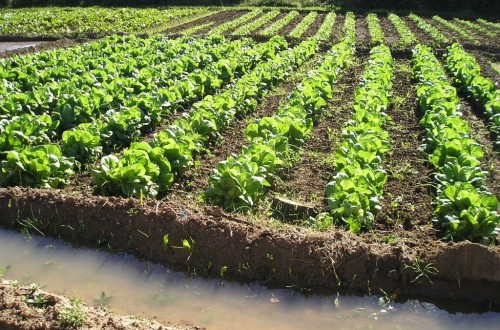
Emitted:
<point x="431" y="30"/>
<point x="73" y="316"/>
<point x="376" y="34"/>
<point x="325" y="30"/>
<point x="234" y="24"/>
<point x="302" y="27"/>
<point x="257" y="23"/>
<point x="406" y="37"/>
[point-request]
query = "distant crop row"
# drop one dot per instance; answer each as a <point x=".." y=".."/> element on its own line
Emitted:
<point x="85" y="21"/>
<point x="95" y="21"/>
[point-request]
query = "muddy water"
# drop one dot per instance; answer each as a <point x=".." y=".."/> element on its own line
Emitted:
<point x="129" y="286"/>
<point x="4" y="46"/>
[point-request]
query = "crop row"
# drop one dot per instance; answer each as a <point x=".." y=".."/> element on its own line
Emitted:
<point x="376" y="34"/>
<point x="406" y="37"/>
<point x="240" y="181"/>
<point x="94" y="63"/>
<point x="278" y="25"/>
<point x="354" y="193"/>
<point x="139" y="96"/>
<point x="85" y="21"/>
<point x="302" y="27"/>
<point x="467" y="73"/>
<point x="257" y="23"/>
<point x="431" y="30"/>
<point x="147" y="168"/>
<point x="232" y="25"/>
<point x="453" y="27"/>
<point x="118" y="128"/>
<point x="464" y="207"/>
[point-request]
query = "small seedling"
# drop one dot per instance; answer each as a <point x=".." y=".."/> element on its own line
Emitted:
<point x="35" y="298"/>
<point x="422" y="271"/>
<point x="165" y="240"/>
<point x="73" y="316"/>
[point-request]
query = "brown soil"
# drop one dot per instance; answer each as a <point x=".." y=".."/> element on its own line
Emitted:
<point x="46" y="45"/>
<point x="335" y="259"/>
<point x="362" y="33"/>
<point x="313" y="28"/>
<point x="306" y="180"/>
<point x="390" y="33"/>
<point x="421" y="35"/>
<point x="290" y="26"/>
<point x="16" y="313"/>
<point x="407" y="204"/>
<point x="337" y="28"/>
<point x="218" y="17"/>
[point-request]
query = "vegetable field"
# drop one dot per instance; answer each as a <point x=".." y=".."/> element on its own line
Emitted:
<point x="313" y="137"/>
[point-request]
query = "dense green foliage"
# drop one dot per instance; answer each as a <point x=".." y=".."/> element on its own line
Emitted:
<point x="353" y="195"/>
<point x="91" y="21"/>
<point x="187" y="136"/>
<point x="467" y="73"/>
<point x="464" y="207"/>
<point x="240" y="181"/>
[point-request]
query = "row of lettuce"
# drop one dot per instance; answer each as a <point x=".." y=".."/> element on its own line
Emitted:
<point x="42" y="148"/>
<point x="87" y="21"/>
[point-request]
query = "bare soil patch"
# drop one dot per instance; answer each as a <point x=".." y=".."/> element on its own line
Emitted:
<point x="338" y="34"/>
<point x="407" y="203"/>
<point x="390" y="33"/>
<point x="362" y="33"/>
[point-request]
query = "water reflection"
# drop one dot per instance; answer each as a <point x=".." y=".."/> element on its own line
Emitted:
<point x="129" y="286"/>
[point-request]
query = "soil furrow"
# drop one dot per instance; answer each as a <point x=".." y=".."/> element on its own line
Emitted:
<point x="219" y="18"/>
<point x="338" y="33"/>
<point x="391" y="36"/>
<point x="233" y="138"/>
<point x="406" y="202"/>
<point x="362" y="33"/>
<point x="305" y="181"/>
<point x="313" y="28"/>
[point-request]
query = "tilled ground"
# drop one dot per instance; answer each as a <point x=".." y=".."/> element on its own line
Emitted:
<point x="386" y="258"/>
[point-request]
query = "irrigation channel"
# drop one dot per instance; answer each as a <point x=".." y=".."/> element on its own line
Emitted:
<point x="12" y="45"/>
<point x="127" y="285"/>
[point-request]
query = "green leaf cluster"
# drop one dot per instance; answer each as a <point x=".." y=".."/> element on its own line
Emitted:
<point x="464" y="207"/>
<point x="467" y="74"/>
<point x="353" y="195"/>
<point x="41" y="166"/>
<point x="239" y="182"/>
